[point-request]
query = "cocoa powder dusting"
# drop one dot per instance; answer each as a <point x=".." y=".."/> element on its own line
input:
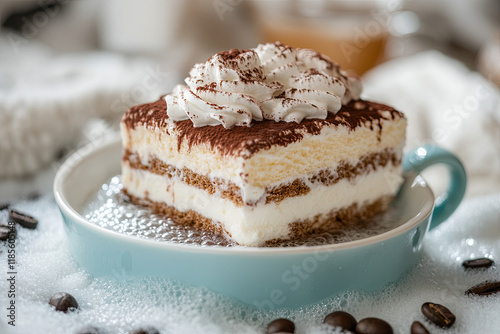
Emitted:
<point x="261" y="135"/>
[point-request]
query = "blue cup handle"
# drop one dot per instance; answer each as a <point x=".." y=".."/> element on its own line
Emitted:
<point x="428" y="155"/>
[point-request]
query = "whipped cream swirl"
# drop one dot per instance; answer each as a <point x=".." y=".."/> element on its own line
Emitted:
<point x="272" y="81"/>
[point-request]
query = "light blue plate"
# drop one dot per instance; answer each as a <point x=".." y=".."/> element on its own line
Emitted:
<point x="264" y="277"/>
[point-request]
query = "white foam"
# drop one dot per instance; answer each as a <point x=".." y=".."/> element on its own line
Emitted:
<point x="118" y="305"/>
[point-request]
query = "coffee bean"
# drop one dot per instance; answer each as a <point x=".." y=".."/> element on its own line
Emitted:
<point x="63" y="302"/>
<point x="438" y="314"/>
<point x="341" y="319"/>
<point x="478" y="263"/>
<point x="484" y="289"/>
<point x="373" y="326"/>
<point x="418" y="328"/>
<point x="4" y="232"/>
<point x="4" y="205"/>
<point x="89" y="330"/>
<point x="280" y="325"/>
<point x="145" y="330"/>
<point x="23" y="219"/>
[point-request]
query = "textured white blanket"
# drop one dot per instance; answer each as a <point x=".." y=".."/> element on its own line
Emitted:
<point x="46" y="99"/>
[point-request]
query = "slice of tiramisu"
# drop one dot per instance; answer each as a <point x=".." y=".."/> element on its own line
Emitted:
<point x="262" y="145"/>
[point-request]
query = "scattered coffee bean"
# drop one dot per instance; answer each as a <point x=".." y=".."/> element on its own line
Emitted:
<point x="438" y="314"/>
<point x="341" y="319"/>
<point x="484" y="289"/>
<point x="373" y="326"/>
<point x="418" y="328"/>
<point x="280" y="325"/>
<point x="478" y="263"/>
<point x="4" y="232"/>
<point x="90" y="330"/>
<point x="4" y="205"/>
<point x="145" y="330"/>
<point x="63" y="302"/>
<point x="23" y="219"/>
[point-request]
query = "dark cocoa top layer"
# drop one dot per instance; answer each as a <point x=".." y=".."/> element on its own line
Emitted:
<point x="261" y="135"/>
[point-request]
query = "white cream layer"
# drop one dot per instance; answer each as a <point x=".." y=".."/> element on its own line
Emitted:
<point x="254" y="225"/>
<point x="283" y="164"/>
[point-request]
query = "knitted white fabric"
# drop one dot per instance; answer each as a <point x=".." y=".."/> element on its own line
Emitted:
<point x="46" y="98"/>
